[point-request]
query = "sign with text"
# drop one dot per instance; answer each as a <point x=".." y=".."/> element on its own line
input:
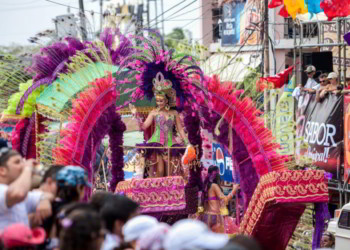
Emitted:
<point x="240" y="22"/>
<point x="284" y="123"/>
<point x="223" y="160"/>
<point x="320" y="127"/>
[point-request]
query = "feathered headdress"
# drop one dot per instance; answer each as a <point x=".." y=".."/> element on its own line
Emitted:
<point x="152" y="63"/>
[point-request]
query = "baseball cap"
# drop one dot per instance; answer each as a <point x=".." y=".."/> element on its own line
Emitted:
<point x="20" y="235"/>
<point x="310" y="69"/>
<point x="332" y="75"/>
<point x="193" y="234"/>
<point x="135" y="227"/>
<point x="72" y="176"/>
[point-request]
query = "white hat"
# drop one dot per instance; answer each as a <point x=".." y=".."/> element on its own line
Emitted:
<point x="193" y="234"/>
<point x="310" y="69"/>
<point x="332" y="75"/>
<point x="153" y="239"/>
<point x="133" y="229"/>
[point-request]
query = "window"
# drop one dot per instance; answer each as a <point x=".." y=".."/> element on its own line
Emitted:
<point x="309" y="30"/>
<point x="344" y="219"/>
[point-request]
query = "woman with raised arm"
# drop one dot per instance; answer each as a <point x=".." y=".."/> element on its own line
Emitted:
<point x="213" y="199"/>
<point x="167" y="121"/>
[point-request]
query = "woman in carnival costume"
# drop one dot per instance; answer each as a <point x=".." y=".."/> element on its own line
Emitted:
<point x="214" y="199"/>
<point x="167" y="121"/>
<point x="166" y="77"/>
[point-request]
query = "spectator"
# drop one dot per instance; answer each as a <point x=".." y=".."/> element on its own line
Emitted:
<point x="310" y="85"/>
<point x="71" y="181"/>
<point x="323" y="82"/>
<point x="327" y="240"/>
<point x="100" y="198"/>
<point x="48" y="183"/>
<point x="245" y="242"/>
<point x="115" y="213"/>
<point x="16" y="201"/>
<point x="135" y="227"/>
<point x="82" y="230"/>
<point x="333" y="87"/>
<point x="193" y="234"/>
<point x="21" y="237"/>
<point x="153" y="239"/>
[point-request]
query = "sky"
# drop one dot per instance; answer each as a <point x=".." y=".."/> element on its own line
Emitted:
<point x="21" y="19"/>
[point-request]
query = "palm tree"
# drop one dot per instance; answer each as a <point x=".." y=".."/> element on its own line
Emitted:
<point x="172" y="39"/>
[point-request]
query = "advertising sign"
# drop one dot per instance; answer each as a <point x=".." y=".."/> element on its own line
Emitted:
<point x="223" y="160"/>
<point x="284" y="123"/>
<point x="239" y="23"/>
<point x="320" y="127"/>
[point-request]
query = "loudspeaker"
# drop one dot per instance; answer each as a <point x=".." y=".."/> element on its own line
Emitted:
<point x="323" y="62"/>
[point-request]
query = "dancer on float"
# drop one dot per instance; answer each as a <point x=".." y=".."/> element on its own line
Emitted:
<point x="212" y="197"/>
<point x="167" y="121"/>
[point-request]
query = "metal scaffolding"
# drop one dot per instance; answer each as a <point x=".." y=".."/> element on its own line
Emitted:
<point x="337" y="184"/>
<point x="341" y="25"/>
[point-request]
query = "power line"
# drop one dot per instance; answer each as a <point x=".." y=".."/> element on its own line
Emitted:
<point x="175" y="12"/>
<point x="73" y="7"/>
<point x="166" y="11"/>
<point x="190" y="11"/>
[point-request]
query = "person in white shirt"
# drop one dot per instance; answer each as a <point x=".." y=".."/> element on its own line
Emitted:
<point x="311" y="85"/>
<point x="16" y="201"/>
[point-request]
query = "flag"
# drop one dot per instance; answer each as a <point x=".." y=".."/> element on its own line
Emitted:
<point x="279" y="79"/>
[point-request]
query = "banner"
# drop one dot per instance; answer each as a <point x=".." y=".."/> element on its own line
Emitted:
<point x="223" y="160"/>
<point x="284" y="123"/>
<point x="320" y="127"/>
<point x="240" y="22"/>
<point x="346" y="136"/>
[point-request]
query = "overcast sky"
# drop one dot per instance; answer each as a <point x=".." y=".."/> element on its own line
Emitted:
<point x="20" y="19"/>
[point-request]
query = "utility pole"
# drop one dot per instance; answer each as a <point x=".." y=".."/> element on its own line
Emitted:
<point x="162" y="10"/>
<point x="82" y="20"/>
<point x="148" y="13"/>
<point x="266" y="39"/>
<point x="101" y="15"/>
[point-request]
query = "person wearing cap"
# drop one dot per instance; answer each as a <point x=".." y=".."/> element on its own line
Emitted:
<point x="135" y="227"/>
<point x="16" y="201"/>
<point x="20" y="236"/>
<point x="332" y="87"/>
<point x="311" y="84"/>
<point x="193" y="234"/>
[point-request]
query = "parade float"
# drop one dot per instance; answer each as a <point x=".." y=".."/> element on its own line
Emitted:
<point x="75" y="102"/>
